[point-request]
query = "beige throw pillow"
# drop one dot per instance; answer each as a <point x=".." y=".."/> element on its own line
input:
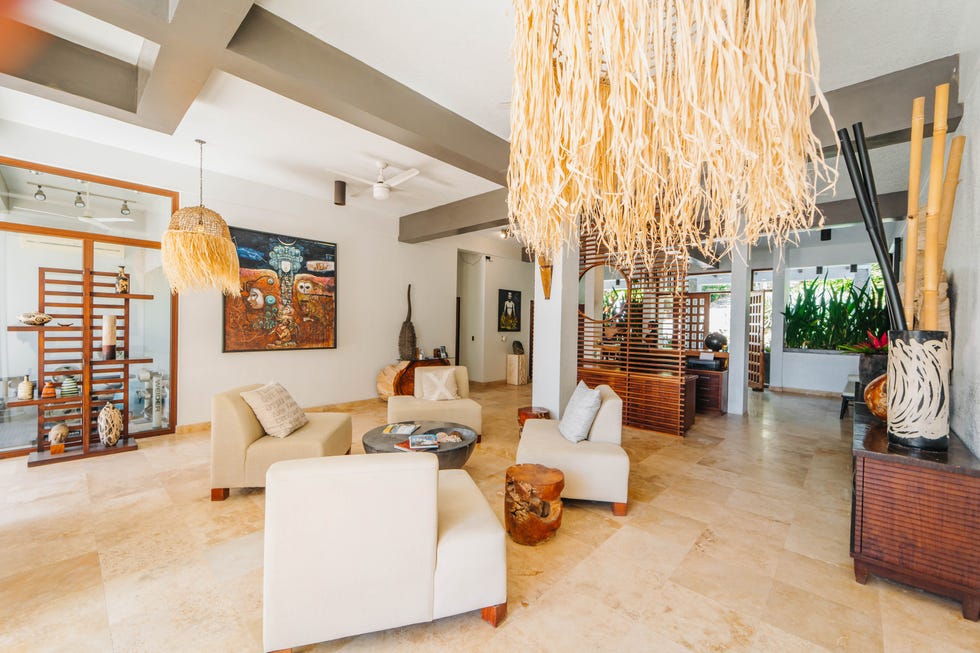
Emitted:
<point x="439" y="384"/>
<point x="276" y="410"/>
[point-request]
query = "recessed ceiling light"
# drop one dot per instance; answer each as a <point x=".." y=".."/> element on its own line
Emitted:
<point x="125" y="208"/>
<point x="39" y="195"/>
<point x="79" y="202"/>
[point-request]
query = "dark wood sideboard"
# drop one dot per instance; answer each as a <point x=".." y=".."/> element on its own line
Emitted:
<point x="915" y="515"/>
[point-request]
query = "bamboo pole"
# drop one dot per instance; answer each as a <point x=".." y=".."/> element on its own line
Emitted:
<point x="930" y="266"/>
<point x="949" y="197"/>
<point x="911" y="217"/>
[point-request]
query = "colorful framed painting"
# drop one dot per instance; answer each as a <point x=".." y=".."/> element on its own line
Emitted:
<point x="508" y="310"/>
<point x="288" y="298"/>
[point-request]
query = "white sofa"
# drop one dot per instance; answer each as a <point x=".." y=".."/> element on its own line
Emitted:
<point x="465" y="411"/>
<point x="357" y="544"/>
<point x="597" y="468"/>
<point x="241" y="452"/>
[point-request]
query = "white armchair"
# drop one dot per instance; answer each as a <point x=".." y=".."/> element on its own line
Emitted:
<point x="241" y="452"/>
<point x="597" y="468"/>
<point x="365" y="543"/>
<point x="465" y="411"/>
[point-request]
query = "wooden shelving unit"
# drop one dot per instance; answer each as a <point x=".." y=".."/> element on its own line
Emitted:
<point x="82" y="297"/>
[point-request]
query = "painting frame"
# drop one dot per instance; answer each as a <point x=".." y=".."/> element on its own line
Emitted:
<point x="288" y="296"/>
<point x="508" y="311"/>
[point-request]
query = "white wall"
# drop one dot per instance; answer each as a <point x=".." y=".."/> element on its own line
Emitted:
<point x="471" y="302"/>
<point x="961" y="260"/>
<point x="507" y="274"/>
<point x="821" y="372"/>
<point x="483" y="350"/>
<point x="373" y="271"/>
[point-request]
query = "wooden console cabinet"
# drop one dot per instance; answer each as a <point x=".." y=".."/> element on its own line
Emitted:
<point x="712" y="391"/>
<point x="915" y="515"/>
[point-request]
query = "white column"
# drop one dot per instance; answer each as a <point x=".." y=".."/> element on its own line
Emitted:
<point x="555" y="332"/>
<point x="738" y="342"/>
<point x="779" y="289"/>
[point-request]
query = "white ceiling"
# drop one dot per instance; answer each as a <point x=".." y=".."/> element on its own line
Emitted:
<point x="78" y="27"/>
<point x="296" y="150"/>
<point x="456" y="52"/>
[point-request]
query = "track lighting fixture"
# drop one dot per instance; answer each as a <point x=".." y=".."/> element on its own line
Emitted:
<point x="79" y="202"/>
<point x="39" y="195"/>
<point x="125" y="208"/>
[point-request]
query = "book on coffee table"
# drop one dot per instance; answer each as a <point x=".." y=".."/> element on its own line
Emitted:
<point x="401" y="428"/>
<point x="423" y="442"/>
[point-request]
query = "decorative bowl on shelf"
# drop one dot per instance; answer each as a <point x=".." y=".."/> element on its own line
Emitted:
<point x="876" y="397"/>
<point x="34" y="318"/>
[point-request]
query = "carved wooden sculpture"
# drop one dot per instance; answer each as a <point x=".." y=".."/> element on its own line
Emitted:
<point x="406" y="339"/>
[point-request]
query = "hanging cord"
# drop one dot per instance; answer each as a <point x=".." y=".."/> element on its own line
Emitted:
<point x="200" y="170"/>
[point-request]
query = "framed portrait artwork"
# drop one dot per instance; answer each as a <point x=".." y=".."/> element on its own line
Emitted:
<point x="288" y="298"/>
<point x="508" y="310"/>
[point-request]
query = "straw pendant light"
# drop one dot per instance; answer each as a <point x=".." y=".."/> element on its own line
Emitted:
<point x="197" y="249"/>
<point x="659" y="125"/>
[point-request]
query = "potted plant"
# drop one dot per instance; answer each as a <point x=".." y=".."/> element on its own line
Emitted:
<point x="874" y="356"/>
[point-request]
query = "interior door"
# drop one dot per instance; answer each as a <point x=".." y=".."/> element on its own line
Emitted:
<point x="757" y="306"/>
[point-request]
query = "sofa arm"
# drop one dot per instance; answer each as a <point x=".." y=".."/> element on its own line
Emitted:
<point x="234" y="428"/>
<point x="332" y="568"/>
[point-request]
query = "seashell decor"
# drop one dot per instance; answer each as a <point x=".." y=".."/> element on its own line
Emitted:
<point x="110" y="424"/>
<point x="34" y="318"/>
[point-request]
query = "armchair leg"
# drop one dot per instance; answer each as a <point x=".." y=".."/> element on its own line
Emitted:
<point x="282" y="650"/>
<point x="494" y="614"/>
<point x="619" y="509"/>
<point x="219" y="493"/>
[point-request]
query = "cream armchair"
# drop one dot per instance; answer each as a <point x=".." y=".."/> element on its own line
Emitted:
<point x="364" y="543"/>
<point x="597" y="468"/>
<point x="465" y="411"/>
<point x="241" y="452"/>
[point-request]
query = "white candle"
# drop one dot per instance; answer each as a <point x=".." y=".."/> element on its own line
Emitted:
<point x="108" y="330"/>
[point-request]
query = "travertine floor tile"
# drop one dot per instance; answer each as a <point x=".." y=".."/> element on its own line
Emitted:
<point x="736" y="539"/>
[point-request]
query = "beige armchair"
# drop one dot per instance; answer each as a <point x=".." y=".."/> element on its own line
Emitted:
<point x="598" y="468"/>
<point x="357" y="544"/>
<point x="465" y="411"/>
<point x="241" y="452"/>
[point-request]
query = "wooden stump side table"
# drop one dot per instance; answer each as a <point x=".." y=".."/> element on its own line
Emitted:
<point x="532" y="503"/>
<point x="531" y="412"/>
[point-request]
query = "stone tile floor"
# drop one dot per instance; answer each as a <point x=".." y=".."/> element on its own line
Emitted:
<point x="736" y="540"/>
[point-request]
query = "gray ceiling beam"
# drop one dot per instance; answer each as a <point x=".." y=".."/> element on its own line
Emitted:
<point x="471" y="214"/>
<point x="281" y="57"/>
<point x="884" y="104"/>
<point x="147" y="18"/>
<point x="195" y="43"/>
<point x="840" y="213"/>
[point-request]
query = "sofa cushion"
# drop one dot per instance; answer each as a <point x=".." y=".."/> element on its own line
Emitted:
<point x="404" y="408"/>
<point x="579" y="413"/>
<point x="276" y="410"/>
<point x="439" y="384"/>
<point x="325" y="434"/>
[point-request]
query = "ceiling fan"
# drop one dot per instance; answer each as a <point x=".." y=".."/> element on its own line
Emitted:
<point x="381" y="188"/>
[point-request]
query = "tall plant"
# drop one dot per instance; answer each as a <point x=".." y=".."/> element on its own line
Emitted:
<point x="826" y="315"/>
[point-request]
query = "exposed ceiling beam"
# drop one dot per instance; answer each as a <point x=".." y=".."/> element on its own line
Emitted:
<point x="281" y="57"/>
<point x="839" y="213"/>
<point x="884" y="104"/>
<point x="471" y="214"/>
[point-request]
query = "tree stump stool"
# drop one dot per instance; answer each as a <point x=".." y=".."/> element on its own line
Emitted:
<point x="532" y="503"/>
<point x="531" y="412"/>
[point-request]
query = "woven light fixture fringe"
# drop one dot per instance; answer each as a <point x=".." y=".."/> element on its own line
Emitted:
<point x="197" y="250"/>
<point x="664" y="124"/>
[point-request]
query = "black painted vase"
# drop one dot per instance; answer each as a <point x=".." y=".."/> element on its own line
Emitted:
<point x="918" y="389"/>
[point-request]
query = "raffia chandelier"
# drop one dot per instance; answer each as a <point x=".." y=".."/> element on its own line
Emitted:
<point x="197" y="250"/>
<point x="664" y="124"/>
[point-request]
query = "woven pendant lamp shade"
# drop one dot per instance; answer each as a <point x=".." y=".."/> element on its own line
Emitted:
<point x="198" y="252"/>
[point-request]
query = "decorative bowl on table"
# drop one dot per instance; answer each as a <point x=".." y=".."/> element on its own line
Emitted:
<point x="34" y="318"/>
<point x="876" y="397"/>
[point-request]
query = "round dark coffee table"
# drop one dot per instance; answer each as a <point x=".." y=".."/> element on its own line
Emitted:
<point x="451" y="455"/>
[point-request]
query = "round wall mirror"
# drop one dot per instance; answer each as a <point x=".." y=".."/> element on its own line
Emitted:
<point x="602" y="293"/>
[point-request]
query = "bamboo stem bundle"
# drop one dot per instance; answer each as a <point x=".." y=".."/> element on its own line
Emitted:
<point x="949" y="196"/>
<point x="871" y="191"/>
<point x="911" y="217"/>
<point x="930" y="281"/>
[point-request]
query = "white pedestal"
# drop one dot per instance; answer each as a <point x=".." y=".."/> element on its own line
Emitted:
<point x="517" y="369"/>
